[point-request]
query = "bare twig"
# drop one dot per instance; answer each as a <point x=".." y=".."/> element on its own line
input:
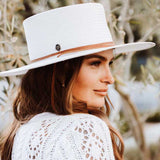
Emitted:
<point x="137" y="125"/>
<point x="123" y="13"/>
<point x="150" y="32"/>
<point x="5" y="18"/>
<point x="107" y="7"/>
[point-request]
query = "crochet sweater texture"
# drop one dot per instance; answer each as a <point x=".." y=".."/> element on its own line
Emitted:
<point x="48" y="136"/>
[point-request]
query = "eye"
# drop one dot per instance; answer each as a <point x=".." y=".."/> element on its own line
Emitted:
<point x="110" y="62"/>
<point x="95" y="63"/>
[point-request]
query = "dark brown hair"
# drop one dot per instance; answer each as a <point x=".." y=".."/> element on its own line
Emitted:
<point x="49" y="89"/>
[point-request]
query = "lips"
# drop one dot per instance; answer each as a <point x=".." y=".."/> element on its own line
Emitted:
<point x="101" y="92"/>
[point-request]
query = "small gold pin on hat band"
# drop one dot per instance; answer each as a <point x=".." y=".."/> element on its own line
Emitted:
<point x="77" y="49"/>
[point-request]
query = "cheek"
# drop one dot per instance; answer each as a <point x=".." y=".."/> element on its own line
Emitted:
<point x="86" y="79"/>
<point x="84" y="84"/>
<point x="83" y="88"/>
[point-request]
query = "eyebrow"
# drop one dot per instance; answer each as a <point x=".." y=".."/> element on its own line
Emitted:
<point x="98" y="56"/>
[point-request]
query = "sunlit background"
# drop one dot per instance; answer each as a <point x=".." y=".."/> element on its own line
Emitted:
<point x="136" y="92"/>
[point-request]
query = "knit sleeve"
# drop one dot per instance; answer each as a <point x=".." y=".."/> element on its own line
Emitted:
<point x="91" y="139"/>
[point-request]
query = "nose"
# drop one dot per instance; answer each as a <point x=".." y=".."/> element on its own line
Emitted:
<point x="106" y="76"/>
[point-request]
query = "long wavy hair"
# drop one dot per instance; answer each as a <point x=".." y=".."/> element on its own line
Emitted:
<point x="49" y="89"/>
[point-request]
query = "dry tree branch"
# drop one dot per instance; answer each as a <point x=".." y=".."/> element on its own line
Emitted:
<point x="150" y="32"/>
<point x="123" y="13"/>
<point x="137" y="126"/>
<point x="5" y="18"/>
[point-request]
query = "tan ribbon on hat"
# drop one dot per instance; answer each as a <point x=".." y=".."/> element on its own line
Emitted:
<point x="77" y="49"/>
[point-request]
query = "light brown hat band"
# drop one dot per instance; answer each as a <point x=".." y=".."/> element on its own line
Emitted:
<point x="77" y="49"/>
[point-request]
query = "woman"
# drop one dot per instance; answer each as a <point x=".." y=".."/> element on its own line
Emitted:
<point x="61" y="111"/>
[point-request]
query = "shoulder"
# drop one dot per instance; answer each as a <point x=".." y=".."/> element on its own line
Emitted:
<point x="50" y="119"/>
<point x="88" y="121"/>
<point x="76" y="122"/>
<point x="87" y="124"/>
<point x="90" y="136"/>
<point x="77" y="136"/>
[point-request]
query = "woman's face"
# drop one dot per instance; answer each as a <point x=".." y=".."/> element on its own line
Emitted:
<point x="93" y="79"/>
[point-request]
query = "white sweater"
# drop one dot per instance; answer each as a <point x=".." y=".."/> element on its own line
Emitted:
<point x="48" y="136"/>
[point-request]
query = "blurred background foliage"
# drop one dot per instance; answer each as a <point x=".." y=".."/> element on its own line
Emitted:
<point x="129" y="21"/>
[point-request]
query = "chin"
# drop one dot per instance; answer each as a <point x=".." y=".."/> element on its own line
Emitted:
<point x="96" y="104"/>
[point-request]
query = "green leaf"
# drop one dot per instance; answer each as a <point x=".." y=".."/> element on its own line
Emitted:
<point x="148" y="3"/>
<point x="5" y="60"/>
<point x="17" y="66"/>
<point x="14" y="63"/>
<point x="4" y="90"/>
<point x="1" y="78"/>
<point x="118" y="56"/>
<point x="156" y="58"/>
<point x="2" y="99"/>
<point x="134" y="22"/>
<point x="142" y="69"/>
<point x="23" y="61"/>
<point x="8" y="80"/>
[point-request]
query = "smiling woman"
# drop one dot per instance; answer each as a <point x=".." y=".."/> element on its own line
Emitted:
<point x="61" y="111"/>
<point x="93" y="79"/>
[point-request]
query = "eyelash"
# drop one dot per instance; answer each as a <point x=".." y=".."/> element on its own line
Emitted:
<point x="111" y="62"/>
<point x="97" y="63"/>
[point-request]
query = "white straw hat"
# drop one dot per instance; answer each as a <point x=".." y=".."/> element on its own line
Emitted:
<point x="68" y="32"/>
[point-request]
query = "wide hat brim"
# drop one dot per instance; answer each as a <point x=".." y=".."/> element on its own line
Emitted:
<point x="117" y="49"/>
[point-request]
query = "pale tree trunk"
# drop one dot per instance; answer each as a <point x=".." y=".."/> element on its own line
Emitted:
<point x="135" y="123"/>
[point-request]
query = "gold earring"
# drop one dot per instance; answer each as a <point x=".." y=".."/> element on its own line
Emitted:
<point x="63" y="85"/>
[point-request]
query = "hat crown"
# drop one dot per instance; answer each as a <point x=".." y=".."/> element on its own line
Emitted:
<point x="66" y="28"/>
